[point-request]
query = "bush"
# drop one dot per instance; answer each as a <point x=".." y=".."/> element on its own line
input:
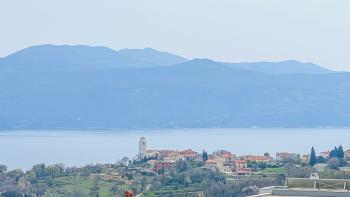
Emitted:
<point x="334" y="163"/>
<point x="249" y="190"/>
<point x="12" y="194"/>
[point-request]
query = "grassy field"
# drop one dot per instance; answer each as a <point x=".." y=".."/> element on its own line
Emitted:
<point x="64" y="185"/>
<point x="274" y="170"/>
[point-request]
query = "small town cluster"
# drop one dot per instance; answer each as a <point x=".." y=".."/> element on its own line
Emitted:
<point x="226" y="161"/>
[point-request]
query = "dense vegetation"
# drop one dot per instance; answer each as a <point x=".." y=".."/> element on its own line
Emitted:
<point x="112" y="180"/>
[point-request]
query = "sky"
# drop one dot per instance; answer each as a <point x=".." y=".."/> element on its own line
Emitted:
<point x="225" y="30"/>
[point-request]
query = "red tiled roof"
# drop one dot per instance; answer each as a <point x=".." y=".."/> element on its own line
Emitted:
<point x="227" y="154"/>
<point x="152" y="161"/>
<point x="188" y="151"/>
<point x="240" y="161"/>
<point x="211" y="161"/>
<point x="257" y="158"/>
<point x="168" y="152"/>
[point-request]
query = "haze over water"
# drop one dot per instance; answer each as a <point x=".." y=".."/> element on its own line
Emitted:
<point x="22" y="149"/>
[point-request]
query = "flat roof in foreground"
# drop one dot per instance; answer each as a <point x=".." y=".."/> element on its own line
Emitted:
<point x="298" y="192"/>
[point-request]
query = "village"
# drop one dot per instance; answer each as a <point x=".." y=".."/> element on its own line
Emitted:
<point x="228" y="163"/>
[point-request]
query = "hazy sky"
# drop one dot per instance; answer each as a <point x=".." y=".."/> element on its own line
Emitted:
<point x="228" y="30"/>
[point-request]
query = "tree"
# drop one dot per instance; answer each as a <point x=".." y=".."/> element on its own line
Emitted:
<point x="11" y="194"/>
<point x="266" y="154"/>
<point x="333" y="163"/>
<point x="134" y="188"/>
<point x="187" y="181"/>
<point x="40" y="188"/>
<point x="114" y="189"/>
<point x="313" y="159"/>
<point x="182" y="166"/>
<point x="54" y="170"/>
<point x="31" y="177"/>
<point x="340" y="152"/>
<point x="76" y="194"/>
<point x="15" y="174"/>
<point x="297" y="171"/>
<point x="334" y="153"/>
<point x="205" y="156"/>
<point x="321" y="159"/>
<point x="262" y="165"/>
<point x="250" y="190"/>
<point x="39" y="170"/>
<point x="143" y="182"/>
<point x="3" y="169"/>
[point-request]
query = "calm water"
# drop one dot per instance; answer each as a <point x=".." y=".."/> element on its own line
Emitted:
<point x="22" y="149"/>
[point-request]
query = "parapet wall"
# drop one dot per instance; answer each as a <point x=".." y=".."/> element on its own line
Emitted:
<point x="313" y="193"/>
<point x="334" y="184"/>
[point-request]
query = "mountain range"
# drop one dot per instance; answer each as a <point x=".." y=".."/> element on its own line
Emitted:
<point x="78" y="87"/>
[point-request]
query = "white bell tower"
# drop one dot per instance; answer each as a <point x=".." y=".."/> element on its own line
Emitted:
<point x="142" y="148"/>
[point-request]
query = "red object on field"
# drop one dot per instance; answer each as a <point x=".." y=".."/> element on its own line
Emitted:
<point x="128" y="194"/>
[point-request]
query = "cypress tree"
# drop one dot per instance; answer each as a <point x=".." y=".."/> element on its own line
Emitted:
<point x="334" y="153"/>
<point x="313" y="159"/>
<point x="340" y="152"/>
<point x="205" y="156"/>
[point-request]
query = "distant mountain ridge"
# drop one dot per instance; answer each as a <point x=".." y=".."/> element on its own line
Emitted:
<point x="82" y="56"/>
<point x="79" y="87"/>
<point x="284" y="67"/>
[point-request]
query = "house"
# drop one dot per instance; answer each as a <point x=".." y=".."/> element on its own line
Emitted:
<point x="241" y="167"/>
<point x="224" y="161"/>
<point x="154" y="154"/>
<point x="169" y="155"/>
<point x="285" y="156"/>
<point x="189" y="154"/>
<point x="325" y="154"/>
<point x="152" y="163"/>
<point x="221" y="152"/>
<point x="347" y="154"/>
<point x="224" y="157"/>
<point x="258" y="159"/>
<point x="306" y="158"/>
<point x="210" y="163"/>
<point x="229" y="158"/>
